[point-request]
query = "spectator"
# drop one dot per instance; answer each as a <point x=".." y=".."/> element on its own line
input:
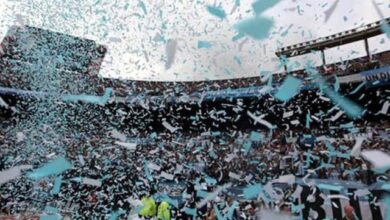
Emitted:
<point x="349" y="213"/>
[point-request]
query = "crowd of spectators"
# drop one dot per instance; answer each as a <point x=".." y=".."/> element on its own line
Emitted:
<point x="94" y="84"/>
<point x="156" y="88"/>
<point x="183" y="166"/>
<point x="195" y="165"/>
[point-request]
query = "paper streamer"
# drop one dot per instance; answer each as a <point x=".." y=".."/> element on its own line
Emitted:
<point x="54" y="167"/>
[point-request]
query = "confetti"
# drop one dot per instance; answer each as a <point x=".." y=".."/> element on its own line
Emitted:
<point x="54" y="167"/>
<point x="379" y="159"/>
<point x="330" y="11"/>
<point x="288" y="89"/>
<point x="57" y="185"/>
<point x="12" y="173"/>
<point x="255" y="136"/>
<point x="216" y="11"/>
<point x="171" y="53"/>
<point x="128" y="146"/>
<point x="143" y="7"/>
<point x="169" y="127"/>
<point x="258" y="28"/>
<point x="91" y="182"/>
<point x="259" y="119"/>
<point x="121" y="129"/>
<point x="329" y="187"/>
<point x="351" y="109"/>
<point x="385" y="108"/>
<point x="204" y="44"/>
<point x="3" y="103"/>
<point x="261" y="5"/>
<point x="356" y="149"/>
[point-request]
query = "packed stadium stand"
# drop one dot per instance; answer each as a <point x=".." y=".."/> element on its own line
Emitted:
<point x="184" y="143"/>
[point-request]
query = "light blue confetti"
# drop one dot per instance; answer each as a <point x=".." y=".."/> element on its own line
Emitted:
<point x="54" y="167"/>
<point x="261" y="5"/>
<point x="308" y="120"/>
<point x="238" y="36"/>
<point x="342" y="155"/>
<point x="347" y="125"/>
<point x="351" y="109"/>
<point x="210" y="181"/>
<point x="387" y="205"/>
<point x="252" y="191"/>
<point x="288" y="89"/>
<point x="284" y="33"/>
<point x="255" y="136"/>
<point x="216" y="133"/>
<point x="238" y="60"/>
<point x="50" y="217"/>
<point x="386" y="186"/>
<point x="299" y="10"/>
<point x="201" y="194"/>
<point x="51" y="209"/>
<point x="297" y="208"/>
<point x="115" y="215"/>
<point x="148" y="175"/>
<point x="247" y="146"/>
<point x="153" y="135"/>
<point x="386" y="29"/>
<point x="143" y="7"/>
<point x="358" y="88"/>
<point x="190" y="211"/>
<point x="257" y="27"/>
<point x="216" y="11"/>
<point x="213" y="154"/>
<point x="204" y="44"/>
<point x="77" y="179"/>
<point x="329" y="187"/>
<point x="336" y="84"/>
<point x="57" y="185"/>
<point x="230" y="212"/>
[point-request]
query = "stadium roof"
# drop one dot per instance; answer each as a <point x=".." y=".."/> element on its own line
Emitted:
<point x="345" y="37"/>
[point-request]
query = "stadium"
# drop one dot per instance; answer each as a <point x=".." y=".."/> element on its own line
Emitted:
<point x="309" y="143"/>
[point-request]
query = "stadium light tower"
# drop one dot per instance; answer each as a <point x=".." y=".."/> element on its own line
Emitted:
<point x="345" y="37"/>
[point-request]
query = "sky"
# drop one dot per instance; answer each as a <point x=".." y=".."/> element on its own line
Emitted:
<point x="158" y="40"/>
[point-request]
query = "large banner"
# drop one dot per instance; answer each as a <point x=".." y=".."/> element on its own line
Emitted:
<point x="372" y="77"/>
<point x="330" y="197"/>
<point x="377" y="76"/>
